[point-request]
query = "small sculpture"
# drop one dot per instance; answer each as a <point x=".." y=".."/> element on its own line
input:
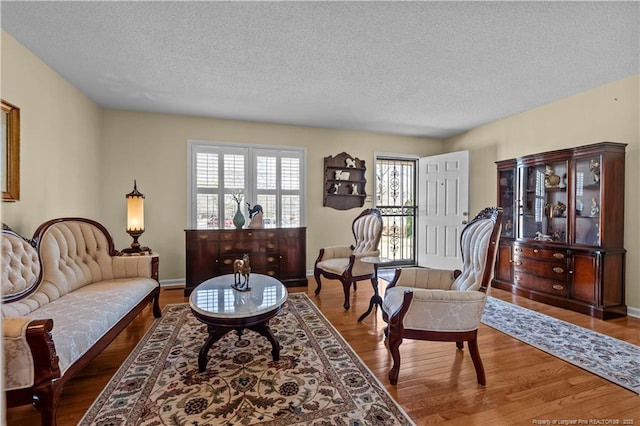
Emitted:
<point x="543" y="237"/>
<point x="342" y="175"/>
<point x="508" y="228"/>
<point x="334" y="188"/>
<point x="241" y="270"/>
<point x="595" y="209"/>
<point x="354" y="189"/>
<point x="594" y="168"/>
<point x="350" y="162"/>
<point x="551" y="180"/>
<point x="254" y="210"/>
<point x="256" y="221"/>
<point x="559" y="209"/>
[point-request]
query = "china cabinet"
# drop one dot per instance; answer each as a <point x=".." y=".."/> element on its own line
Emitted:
<point x="563" y="228"/>
<point x="344" y="182"/>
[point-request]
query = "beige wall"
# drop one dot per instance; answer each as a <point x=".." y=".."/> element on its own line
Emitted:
<point x="607" y="113"/>
<point x="80" y="160"/>
<point x="60" y="142"/>
<point x="152" y="148"/>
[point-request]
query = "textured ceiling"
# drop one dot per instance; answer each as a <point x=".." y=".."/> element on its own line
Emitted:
<point x="419" y="68"/>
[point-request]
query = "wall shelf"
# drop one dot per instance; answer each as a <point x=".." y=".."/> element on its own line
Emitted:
<point x="344" y="182"/>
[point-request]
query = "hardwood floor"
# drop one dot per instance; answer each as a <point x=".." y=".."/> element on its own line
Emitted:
<point x="437" y="383"/>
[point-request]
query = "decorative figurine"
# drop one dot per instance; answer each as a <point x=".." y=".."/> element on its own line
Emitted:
<point x="342" y="175"/>
<point x="350" y="162"/>
<point x="594" y="168"/>
<point x="257" y="208"/>
<point x="354" y="189"/>
<point x="559" y="209"/>
<point x="241" y="270"/>
<point x="543" y="237"/>
<point x="256" y="221"/>
<point x="508" y="228"/>
<point x="255" y="216"/>
<point x="595" y="209"/>
<point x="551" y="180"/>
<point x="334" y="188"/>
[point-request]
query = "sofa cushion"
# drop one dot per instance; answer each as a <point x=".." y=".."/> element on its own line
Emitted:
<point x="83" y="316"/>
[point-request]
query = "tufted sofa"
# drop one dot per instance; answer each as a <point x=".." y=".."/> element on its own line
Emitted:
<point x="66" y="295"/>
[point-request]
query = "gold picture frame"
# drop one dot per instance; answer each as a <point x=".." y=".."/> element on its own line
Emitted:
<point x="10" y="152"/>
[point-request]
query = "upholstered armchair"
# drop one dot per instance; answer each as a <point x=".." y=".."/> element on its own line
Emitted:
<point x="343" y="262"/>
<point x="444" y="305"/>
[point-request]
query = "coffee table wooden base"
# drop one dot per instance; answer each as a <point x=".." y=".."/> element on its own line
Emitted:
<point x="216" y="333"/>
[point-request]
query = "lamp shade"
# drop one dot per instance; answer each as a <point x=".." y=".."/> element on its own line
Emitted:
<point x="135" y="210"/>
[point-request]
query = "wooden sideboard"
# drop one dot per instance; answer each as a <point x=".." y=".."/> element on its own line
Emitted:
<point x="277" y="252"/>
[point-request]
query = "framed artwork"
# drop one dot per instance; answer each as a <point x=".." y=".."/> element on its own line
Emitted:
<point x="10" y="152"/>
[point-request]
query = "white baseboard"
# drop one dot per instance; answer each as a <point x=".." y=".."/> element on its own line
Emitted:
<point x="178" y="282"/>
<point x="633" y="312"/>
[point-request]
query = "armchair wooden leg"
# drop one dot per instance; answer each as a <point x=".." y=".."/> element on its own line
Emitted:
<point x="477" y="362"/>
<point x="346" y="285"/>
<point x="316" y="275"/>
<point x="460" y="345"/>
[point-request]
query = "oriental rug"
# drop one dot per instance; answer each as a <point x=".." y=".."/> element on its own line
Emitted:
<point x="610" y="358"/>
<point x="319" y="379"/>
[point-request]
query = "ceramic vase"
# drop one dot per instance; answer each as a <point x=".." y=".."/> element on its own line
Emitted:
<point x="238" y="219"/>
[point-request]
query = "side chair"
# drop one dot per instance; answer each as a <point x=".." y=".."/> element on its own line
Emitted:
<point x="342" y="262"/>
<point x="445" y="305"/>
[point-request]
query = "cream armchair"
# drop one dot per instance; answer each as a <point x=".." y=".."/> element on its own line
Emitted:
<point x="444" y="305"/>
<point x="342" y="262"/>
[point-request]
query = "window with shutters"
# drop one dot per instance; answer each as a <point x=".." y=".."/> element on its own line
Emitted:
<point x="272" y="177"/>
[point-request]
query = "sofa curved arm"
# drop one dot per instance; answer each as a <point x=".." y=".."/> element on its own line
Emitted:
<point x="29" y="353"/>
<point x="134" y="267"/>
<point x="434" y="310"/>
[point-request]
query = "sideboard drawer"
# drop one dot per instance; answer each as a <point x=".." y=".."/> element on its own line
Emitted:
<point x="540" y="253"/>
<point x="553" y="270"/>
<point x="544" y="285"/>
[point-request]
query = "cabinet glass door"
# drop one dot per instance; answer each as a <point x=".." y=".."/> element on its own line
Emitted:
<point x="588" y="199"/>
<point x="543" y="207"/>
<point x="506" y="200"/>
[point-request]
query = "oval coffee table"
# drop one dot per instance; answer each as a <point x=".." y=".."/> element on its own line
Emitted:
<point x="224" y="309"/>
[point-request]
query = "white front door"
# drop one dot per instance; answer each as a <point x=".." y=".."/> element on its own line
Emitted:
<point x="443" y="208"/>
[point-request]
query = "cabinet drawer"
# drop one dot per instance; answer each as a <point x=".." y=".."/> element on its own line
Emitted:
<point x="248" y="246"/>
<point x="542" y="253"/>
<point x="268" y="264"/>
<point x="527" y="265"/>
<point x="544" y="285"/>
<point x="248" y="235"/>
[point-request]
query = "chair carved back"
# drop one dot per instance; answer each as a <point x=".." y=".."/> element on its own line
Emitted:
<point x="367" y="230"/>
<point x="479" y="244"/>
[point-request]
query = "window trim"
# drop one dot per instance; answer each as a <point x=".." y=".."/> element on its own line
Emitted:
<point x="193" y="146"/>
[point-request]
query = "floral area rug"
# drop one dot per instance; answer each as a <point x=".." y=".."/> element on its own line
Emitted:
<point x="319" y="380"/>
<point x="613" y="359"/>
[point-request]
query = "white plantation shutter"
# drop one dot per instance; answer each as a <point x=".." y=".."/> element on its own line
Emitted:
<point x="270" y="176"/>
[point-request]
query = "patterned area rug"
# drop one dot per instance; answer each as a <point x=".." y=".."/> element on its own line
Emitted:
<point x="607" y="357"/>
<point x="319" y="380"/>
